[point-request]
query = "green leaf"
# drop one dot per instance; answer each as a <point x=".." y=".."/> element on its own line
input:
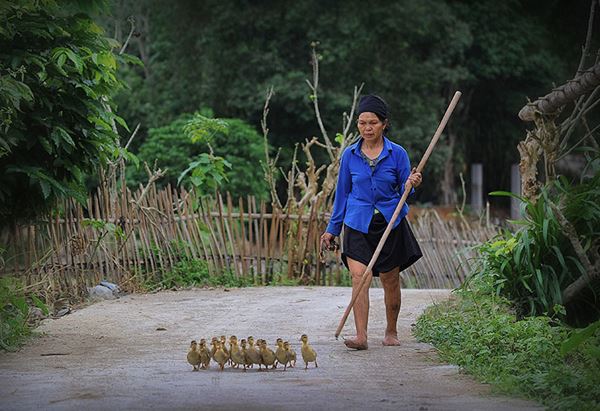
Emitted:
<point x="121" y="122"/>
<point x="21" y="305"/>
<point x="60" y="135"/>
<point x="578" y="337"/>
<point x="508" y="194"/>
<point x="40" y="304"/>
<point x="46" y="145"/>
<point x="128" y="58"/>
<point x="77" y="62"/>
<point x="46" y="189"/>
<point x="545" y="229"/>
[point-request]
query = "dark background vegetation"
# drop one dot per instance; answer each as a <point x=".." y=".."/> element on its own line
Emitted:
<point x="223" y="55"/>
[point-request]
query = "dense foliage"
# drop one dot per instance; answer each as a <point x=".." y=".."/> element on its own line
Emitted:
<point x="533" y="357"/>
<point x="57" y="74"/>
<point x="415" y="54"/>
<point x="233" y="140"/>
<point x="533" y="266"/>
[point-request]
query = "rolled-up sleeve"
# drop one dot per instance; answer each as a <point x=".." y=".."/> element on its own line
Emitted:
<point x="344" y="185"/>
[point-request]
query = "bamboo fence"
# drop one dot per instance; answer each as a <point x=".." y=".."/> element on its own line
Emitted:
<point x="129" y="238"/>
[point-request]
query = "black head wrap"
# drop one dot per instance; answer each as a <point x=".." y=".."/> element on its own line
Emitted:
<point x="373" y="104"/>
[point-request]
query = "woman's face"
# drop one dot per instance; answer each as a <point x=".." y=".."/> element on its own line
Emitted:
<point x="370" y="127"/>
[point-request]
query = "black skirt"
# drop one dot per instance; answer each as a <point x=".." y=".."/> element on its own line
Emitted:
<point x="400" y="249"/>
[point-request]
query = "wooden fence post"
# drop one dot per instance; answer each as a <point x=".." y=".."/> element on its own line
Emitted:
<point x="477" y="187"/>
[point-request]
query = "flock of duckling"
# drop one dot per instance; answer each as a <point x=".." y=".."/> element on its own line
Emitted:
<point x="200" y="355"/>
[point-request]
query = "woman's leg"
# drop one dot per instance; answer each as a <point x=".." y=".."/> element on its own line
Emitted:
<point x="360" y="308"/>
<point x="391" y="296"/>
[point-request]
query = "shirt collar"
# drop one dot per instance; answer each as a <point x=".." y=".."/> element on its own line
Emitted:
<point x="387" y="146"/>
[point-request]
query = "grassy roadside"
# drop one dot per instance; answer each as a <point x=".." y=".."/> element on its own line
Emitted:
<point x="15" y="314"/>
<point x="480" y="333"/>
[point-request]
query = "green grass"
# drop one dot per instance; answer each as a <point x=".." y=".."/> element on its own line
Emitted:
<point x="195" y="273"/>
<point x="14" y="314"/>
<point x="480" y="333"/>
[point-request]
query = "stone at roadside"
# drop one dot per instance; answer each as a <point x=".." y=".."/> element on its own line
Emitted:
<point x="101" y="292"/>
<point x="111" y="286"/>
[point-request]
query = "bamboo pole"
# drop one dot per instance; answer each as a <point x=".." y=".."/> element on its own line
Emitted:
<point x="243" y="249"/>
<point x="262" y="233"/>
<point x="226" y="231"/>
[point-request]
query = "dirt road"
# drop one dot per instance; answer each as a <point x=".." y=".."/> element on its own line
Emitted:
<point x="130" y="353"/>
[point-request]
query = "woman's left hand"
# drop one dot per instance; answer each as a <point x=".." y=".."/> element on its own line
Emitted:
<point x="415" y="178"/>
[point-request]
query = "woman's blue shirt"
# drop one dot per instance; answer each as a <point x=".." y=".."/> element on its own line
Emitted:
<point x="361" y="190"/>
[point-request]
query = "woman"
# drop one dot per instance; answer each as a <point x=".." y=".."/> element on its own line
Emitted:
<point x="370" y="183"/>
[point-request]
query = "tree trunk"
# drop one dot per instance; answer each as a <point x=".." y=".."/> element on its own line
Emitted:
<point x="563" y="95"/>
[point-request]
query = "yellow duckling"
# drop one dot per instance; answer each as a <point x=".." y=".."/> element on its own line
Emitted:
<point x="281" y="354"/>
<point x="244" y="351"/>
<point x="204" y="354"/>
<point x="308" y="353"/>
<point x="223" y="344"/>
<point x="267" y="355"/>
<point x="253" y="353"/>
<point x="193" y="356"/>
<point x="213" y="349"/>
<point x="220" y="356"/>
<point x="291" y="354"/>
<point x="236" y="357"/>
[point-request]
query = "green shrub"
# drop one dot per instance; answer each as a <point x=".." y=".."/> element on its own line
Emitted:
<point x="534" y="265"/>
<point x="280" y="279"/>
<point x="14" y="313"/>
<point x="236" y="141"/>
<point x="58" y="74"/>
<point x="480" y="333"/>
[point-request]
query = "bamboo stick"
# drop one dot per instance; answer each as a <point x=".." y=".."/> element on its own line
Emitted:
<point x="243" y="247"/>
<point x="226" y="230"/>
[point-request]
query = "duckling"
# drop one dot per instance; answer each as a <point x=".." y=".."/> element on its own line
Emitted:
<point x="244" y="351"/>
<point x="267" y="355"/>
<point x="291" y="354"/>
<point x="236" y="357"/>
<point x="193" y="356"/>
<point x="224" y="345"/>
<point x="204" y="354"/>
<point x="213" y="342"/>
<point x="220" y="356"/>
<point x="308" y="353"/>
<point x="253" y="353"/>
<point x="281" y="354"/>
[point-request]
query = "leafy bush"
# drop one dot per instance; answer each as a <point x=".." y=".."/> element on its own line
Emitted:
<point x="14" y="313"/>
<point x="235" y="141"/>
<point x="57" y="76"/>
<point x="478" y="332"/>
<point x="195" y="273"/>
<point x="533" y="266"/>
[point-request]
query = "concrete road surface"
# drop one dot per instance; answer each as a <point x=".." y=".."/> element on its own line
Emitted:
<point x="130" y="354"/>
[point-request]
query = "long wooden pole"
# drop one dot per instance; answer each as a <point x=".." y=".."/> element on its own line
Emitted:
<point x="407" y="187"/>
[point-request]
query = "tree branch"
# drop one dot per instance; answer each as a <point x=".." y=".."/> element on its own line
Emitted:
<point x="131" y="21"/>
<point x="591" y="273"/>
<point x="314" y="88"/>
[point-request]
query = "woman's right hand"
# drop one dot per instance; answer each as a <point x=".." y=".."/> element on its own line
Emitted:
<point x="326" y="239"/>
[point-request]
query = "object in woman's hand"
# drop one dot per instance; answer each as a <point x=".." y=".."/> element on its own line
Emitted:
<point x="333" y="246"/>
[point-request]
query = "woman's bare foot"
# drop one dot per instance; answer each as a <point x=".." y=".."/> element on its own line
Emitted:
<point x="391" y="339"/>
<point x="356" y="343"/>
